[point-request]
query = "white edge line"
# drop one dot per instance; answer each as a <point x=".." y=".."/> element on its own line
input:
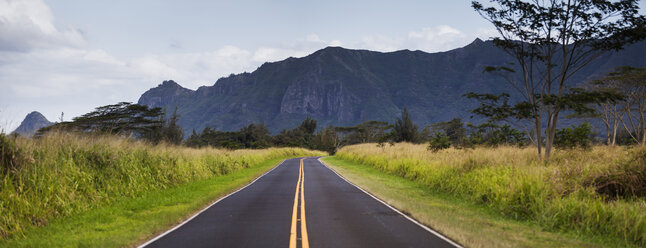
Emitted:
<point x="394" y="209"/>
<point x="207" y="207"/>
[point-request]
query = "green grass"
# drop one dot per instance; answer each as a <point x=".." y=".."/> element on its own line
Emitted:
<point x="468" y="223"/>
<point x="129" y="222"/>
<point x="47" y="184"/>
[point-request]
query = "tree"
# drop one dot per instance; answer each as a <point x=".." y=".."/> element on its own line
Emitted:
<point x="552" y="40"/>
<point x="298" y="137"/>
<point x="255" y="136"/>
<point x="327" y="140"/>
<point x="308" y="125"/>
<point x="610" y="110"/>
<point x="439" y="141"/>
<point x="633" y="84"/>
<point x="121" y="119"/>
<point x="172" y="132"/>
<point x="365" y="132"/>
<point x="453" y="130"/>
<point x="404" y="129"/>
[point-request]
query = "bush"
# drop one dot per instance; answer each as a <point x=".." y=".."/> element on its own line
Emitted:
<point x="577" y="136"/>
<point x="439" y="141"/>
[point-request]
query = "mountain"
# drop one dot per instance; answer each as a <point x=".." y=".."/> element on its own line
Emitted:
<point x="341" y="87"/>
<point x="32" y="122"/>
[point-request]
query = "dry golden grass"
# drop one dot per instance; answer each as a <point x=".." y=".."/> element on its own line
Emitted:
<point x="599" y="191"/>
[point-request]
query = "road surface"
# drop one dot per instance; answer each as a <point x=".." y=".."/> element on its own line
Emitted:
<point x="300" y="203"/>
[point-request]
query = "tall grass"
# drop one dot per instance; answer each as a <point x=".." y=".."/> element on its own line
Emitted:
<point x="597" y="192"/>
<point x="60" y="174"/>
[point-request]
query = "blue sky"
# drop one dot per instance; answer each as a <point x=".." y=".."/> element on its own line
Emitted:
<point x="71" y="56"/>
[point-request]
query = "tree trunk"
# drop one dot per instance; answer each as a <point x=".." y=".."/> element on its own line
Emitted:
<point x="538" y="137"/>
<point x="550" y="132"/>
<point x="614" y="132"/>
<point x="608" y="135"/>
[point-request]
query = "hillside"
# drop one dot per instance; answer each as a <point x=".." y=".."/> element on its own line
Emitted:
<point x="32" y="122"/>
<point x="341" y="87"/>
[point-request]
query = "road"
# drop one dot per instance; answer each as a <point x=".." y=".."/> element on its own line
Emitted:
<point x="300" y="203"/>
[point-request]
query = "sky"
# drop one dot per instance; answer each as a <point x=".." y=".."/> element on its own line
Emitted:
<point x="70" y="56"/>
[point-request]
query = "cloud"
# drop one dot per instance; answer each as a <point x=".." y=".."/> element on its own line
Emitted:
<point x="29" y="24"/>
<point x="51" y="69"/>
<point x="193" y="69"/>
<point x="429" y="39"/>
<point x="438" y="38"/>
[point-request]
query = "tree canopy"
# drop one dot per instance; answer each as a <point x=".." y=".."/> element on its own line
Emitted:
<point x="550" y="41"/>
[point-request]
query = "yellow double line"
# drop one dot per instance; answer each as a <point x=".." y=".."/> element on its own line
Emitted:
<point x="300" y="186"/>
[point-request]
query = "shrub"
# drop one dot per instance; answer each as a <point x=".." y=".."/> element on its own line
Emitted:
<point x="439" y="141"/>
<point x="577" y="136"/>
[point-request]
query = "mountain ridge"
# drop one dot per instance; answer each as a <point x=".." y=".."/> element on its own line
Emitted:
<point x="341" y="87"/>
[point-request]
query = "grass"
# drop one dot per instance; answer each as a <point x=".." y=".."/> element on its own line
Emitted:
<point x="129" y="222"/>
<point x="65" y="190"/>
<point x="569" y="194"/>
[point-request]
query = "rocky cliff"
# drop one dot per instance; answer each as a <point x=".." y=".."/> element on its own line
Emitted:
<point x="341" y="87"/>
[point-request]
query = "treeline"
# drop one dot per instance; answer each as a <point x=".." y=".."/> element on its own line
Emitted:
<point x="441" y="135"/>
<point x="153" y="125"/>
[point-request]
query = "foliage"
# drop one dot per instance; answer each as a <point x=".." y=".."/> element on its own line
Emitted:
<point x="454" y="130"/>
<point x="630" y="84"/>
<point x="300" y="136"/>
<point x="577" y="136"/>
<point x="253" y="136"/>
<point x="439" y="141"/>
<point x="172" y="132"/>
<point x="490" y="134"/>
<point x="596" y="191"/>
<point x="365" y="132"/>
<point x="455" y="133"/>
<point x="404" y="129"/>
<point x="124" y="119"/>
<point x="550" y="41"/>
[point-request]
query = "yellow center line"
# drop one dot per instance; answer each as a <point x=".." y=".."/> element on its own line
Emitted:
<point x="300" y="186"/>
<point x="305" y="243"/>
<point x="292" y="232"/>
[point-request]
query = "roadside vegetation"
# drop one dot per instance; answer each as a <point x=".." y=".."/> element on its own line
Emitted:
<point x="599" y="192"/>
<point x="519" y="161"/>
<point x="59" y="175"/>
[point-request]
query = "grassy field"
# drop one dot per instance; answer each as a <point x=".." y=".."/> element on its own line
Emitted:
<point x="108" y="191"/>
<point x="596" y="195"/>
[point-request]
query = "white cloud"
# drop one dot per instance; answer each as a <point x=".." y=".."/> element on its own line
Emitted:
<point x="486" y="33"/>
<point x="50" y="69"/>
<point x="29" y="24"/>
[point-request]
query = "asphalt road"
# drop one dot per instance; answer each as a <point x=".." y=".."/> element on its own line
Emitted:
<point x="300" y="203"/>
